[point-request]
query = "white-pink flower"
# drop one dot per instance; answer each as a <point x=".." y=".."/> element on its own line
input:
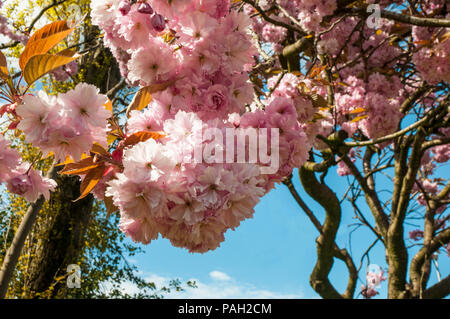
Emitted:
<point x="142" y="230"/>
<point x="30" y="183"/>
<point x="148" y="120"/>
<point x="36" y="117"/>
<point x="196" y="27"/>
<point x="136" y="200"/>
<point x="185" y="127"/>
<point x="186" y="208"/>
<point x="147" y="161"/>
<point x="86" y="103"/>
<point x="152" y="63"/>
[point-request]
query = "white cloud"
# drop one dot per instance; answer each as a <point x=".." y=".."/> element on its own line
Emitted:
<point x="222" y="286"/>
<point x="230" y="290"/>
<point x="220" y="276"/>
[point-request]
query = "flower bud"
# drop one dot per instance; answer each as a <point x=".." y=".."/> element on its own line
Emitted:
<point x="117" y="155"/>
<point x="158" y="22"/>
<point x="145" y="8"/>
<point x="124" y="7"/>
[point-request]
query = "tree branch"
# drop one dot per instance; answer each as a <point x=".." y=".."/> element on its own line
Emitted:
<point x="341" y="254"/>
<point x="269" y="19"/>
<point x="325" y="242"/>
<point x="371" y="197"/>
<point x="418" y="21"/>
<point x="439" y="290"/>
<point x="420" y="258"/>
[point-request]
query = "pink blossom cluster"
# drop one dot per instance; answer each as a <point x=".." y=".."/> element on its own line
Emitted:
<point x="432" y="56"/>
<point x="433" y="6"/>
<point x="379" y="94"/>
<point x="374" y="278"/>
<point x="437" y="154"/>
<point x="9" y="159"/>
<point x="164" y="190"/>
<point x="5" y="29"/>
<point x="198" y="53"/>
<point x="21" y="178"/>
<point x="203" y="54"/>
<point x="368" y="292"/>
<point x="367" y="102"/>
<point x="67" y="124"/>
<point x="378" y="100"/>
<point x="416" y="234"/>
<point x="308" y="12"/>
<point x="441" y="153"/>
<point x="342" y="168"/>
<point x="439" y="224"/>
<point x="203" y="48"/>
<point x="64" y="72"/>
<point x="289" y="87"/>
<point x="427" y="188"/>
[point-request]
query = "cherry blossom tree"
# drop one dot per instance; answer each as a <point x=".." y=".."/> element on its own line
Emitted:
<point x="360" y="87"/>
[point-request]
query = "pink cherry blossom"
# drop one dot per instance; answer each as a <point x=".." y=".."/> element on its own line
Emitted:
<point x="416" y="234"/>
<point x="30" y="184"/>
<point x="85" y="103"/>
<point x="9" y="159"/>
<point x="151" y="64"/>
<point x="35" y="113"/>
<point x="147" y="161"/>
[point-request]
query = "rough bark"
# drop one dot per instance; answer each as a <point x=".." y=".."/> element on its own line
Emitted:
<point x="62" y="238"/>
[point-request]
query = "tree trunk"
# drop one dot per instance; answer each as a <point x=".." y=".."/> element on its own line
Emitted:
<point x="62" y="238"/>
